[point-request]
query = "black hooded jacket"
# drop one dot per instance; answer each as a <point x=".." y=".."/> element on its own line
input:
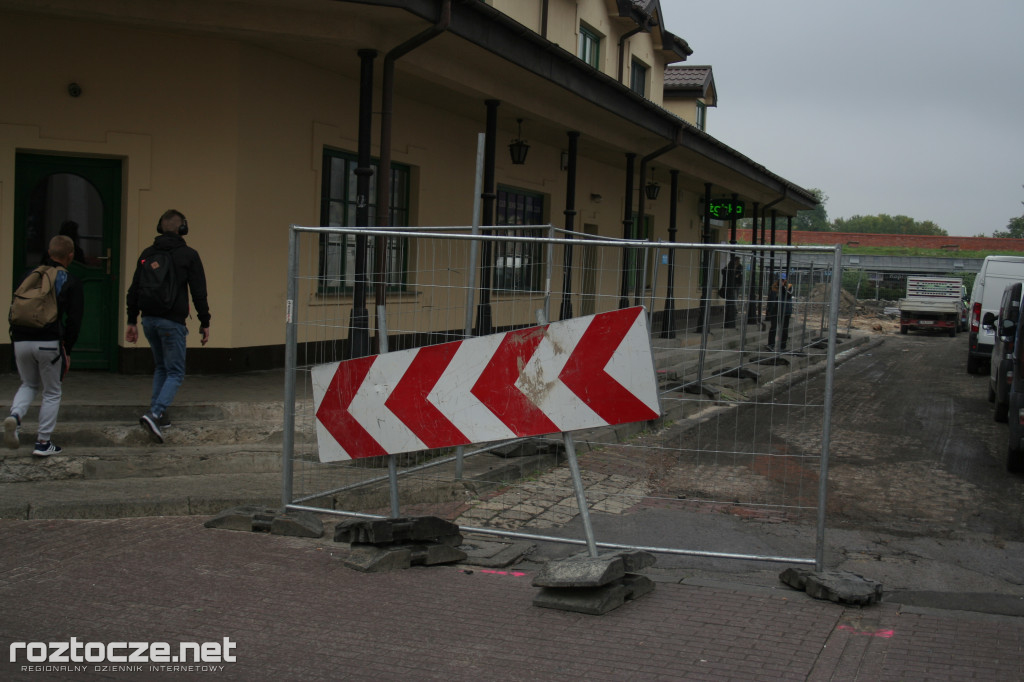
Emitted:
<point x="189" y="275"/>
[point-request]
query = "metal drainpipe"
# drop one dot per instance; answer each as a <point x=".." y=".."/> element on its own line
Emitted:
<point x="638" y="286"/>
<point x="622" y="46"/>
<point x="387" y="107"/>
<point x="705" y="260"/>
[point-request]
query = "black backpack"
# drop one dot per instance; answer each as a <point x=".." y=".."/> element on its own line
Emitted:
<point x="158" y="283"/>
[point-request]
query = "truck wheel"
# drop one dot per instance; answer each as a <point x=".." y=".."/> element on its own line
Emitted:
<point x="1002" y="412"/>
<point x="952" y="332"/>
<point x="972" y="364"/>
<point x="904" y="329"/>
<point x="991" y="394"/>
<point x="1014" y="459"/>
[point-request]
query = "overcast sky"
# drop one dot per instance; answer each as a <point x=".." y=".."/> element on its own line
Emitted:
<point x="904" y="107"/>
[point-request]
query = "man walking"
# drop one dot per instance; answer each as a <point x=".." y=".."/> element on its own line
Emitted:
<point x="43" y="353"/>
<point x="780" y="309"/>
<point x="732" y="287"/>
<point x="165" y="274"/>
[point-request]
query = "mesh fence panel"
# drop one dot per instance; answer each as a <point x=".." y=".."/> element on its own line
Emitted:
<point x="743" y="427"/>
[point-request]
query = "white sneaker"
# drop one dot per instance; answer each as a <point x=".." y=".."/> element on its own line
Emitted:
<point x="46" y="449"/>
<point x="11" y="428"/>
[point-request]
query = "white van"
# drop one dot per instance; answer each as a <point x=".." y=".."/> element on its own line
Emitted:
<point x="997" y="272"/>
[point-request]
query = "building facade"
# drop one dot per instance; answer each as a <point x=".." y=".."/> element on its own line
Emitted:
<point x="252" y="115"/>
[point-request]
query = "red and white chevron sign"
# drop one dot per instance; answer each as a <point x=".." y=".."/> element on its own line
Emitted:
<point x="576" y="374"/>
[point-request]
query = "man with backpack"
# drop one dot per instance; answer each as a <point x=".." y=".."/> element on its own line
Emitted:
<point x="46" y="316"/>
<point x="165" y="274"/>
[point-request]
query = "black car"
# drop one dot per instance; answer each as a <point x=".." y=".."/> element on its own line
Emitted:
<point x="1001" y="367"/>
<point x="1015" y="402"/>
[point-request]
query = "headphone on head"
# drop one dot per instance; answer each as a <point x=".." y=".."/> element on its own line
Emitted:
<point x="183" y="230"/>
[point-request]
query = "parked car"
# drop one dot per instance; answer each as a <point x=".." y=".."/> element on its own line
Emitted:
<point x="995" y="274"/>
<point x="1015" y="447"/>
<point x="1001" y="366"/>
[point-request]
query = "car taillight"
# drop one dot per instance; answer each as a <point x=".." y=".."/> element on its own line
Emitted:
<point x="976" y="318"/>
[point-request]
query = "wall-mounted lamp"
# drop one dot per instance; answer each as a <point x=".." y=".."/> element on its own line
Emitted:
<point x="518" y="147"/>
<point x="652" y="189"/>
<point x="74" y="89"/>
<point x="596" y="198"/>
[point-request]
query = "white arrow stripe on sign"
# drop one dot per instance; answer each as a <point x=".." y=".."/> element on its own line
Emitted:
<point x="631" y="355"/>
<point x="452" y="393"/>
<point x="368" y="404"/>
<point x="554" y="398"/>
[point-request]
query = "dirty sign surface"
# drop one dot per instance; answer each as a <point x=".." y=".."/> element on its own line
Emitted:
<point x="576" y="374"/>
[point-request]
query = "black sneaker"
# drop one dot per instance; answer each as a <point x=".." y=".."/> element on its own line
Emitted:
<point x="46" y="448"/>
<point x="151" y="423"/>
<point x="163" y="420"/>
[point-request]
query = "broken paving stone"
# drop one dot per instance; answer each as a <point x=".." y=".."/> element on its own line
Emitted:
<point x="585" y="571"/>
<point x="595" y="601"/>
<point x="380" y="558"/>
<point x="841" y="587"/>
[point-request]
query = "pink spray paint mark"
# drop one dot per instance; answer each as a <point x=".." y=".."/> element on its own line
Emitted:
<point x="514" y="574"/>
<point x="884" y="634"/>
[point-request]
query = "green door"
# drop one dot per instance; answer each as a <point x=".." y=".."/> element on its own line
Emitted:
<point x="79" y="197"/>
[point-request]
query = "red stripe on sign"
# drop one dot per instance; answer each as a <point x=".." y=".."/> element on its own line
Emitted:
<point x="496" y="387"/>
<point x="584" y="372"/>
<point x="334" y="415"/>
<point x="409" y="399"/>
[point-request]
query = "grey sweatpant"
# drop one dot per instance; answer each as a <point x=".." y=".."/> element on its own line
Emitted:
<point x="39" y="368"/>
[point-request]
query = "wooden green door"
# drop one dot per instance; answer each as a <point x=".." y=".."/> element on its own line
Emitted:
<point x="80" y="197"/>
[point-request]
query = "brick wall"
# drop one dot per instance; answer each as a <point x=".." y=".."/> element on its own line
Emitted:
<point x="913" y="241"/>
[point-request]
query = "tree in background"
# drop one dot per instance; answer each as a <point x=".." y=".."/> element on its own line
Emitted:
<point x="887" y="224"/>
<point x="1014" y="229"/>
<point x="816" y="219"/>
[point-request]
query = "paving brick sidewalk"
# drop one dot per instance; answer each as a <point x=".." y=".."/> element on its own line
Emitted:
<point x="295" y="612"/>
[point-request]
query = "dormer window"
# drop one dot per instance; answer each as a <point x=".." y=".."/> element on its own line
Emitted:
<point x="590" y="46"/>
<point x="638" y="78"/>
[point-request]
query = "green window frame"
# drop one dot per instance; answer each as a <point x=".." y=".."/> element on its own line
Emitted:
<point x="519" y="266"/>
<point x="590" y="46"/>
<point x="638" y="77"/>
<point x="338" y="209"/>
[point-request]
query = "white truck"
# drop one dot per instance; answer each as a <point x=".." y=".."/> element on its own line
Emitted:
<point x="931" y="303"/>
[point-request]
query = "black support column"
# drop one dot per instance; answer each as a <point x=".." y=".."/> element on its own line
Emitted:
<point x="668" y="320"/>
<point x="359" y="319"/>
<point x="565" y="312"/>
<point x="484" y="323"/>
<point x="627" y="230"/>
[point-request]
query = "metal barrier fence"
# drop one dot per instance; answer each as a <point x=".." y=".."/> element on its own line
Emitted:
<point x="744" y="429"/>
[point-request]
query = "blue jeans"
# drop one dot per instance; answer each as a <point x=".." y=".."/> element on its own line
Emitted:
<point x="167" y="340"/>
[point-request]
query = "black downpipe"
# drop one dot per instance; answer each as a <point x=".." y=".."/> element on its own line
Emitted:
<point x="622" y="48"/>
<point x="668" y="320"/>
<point x="359" y="319"/>
<point x="638" y="286"/>
<point x="387" y="108"/>
<point x="565" y="312"/>
<point x="484" y="323"/>
<point x="789" y="242"/>
<point x="627" y="231"/>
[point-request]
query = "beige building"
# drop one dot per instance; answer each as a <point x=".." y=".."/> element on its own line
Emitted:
<point x="245" y="115"/>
